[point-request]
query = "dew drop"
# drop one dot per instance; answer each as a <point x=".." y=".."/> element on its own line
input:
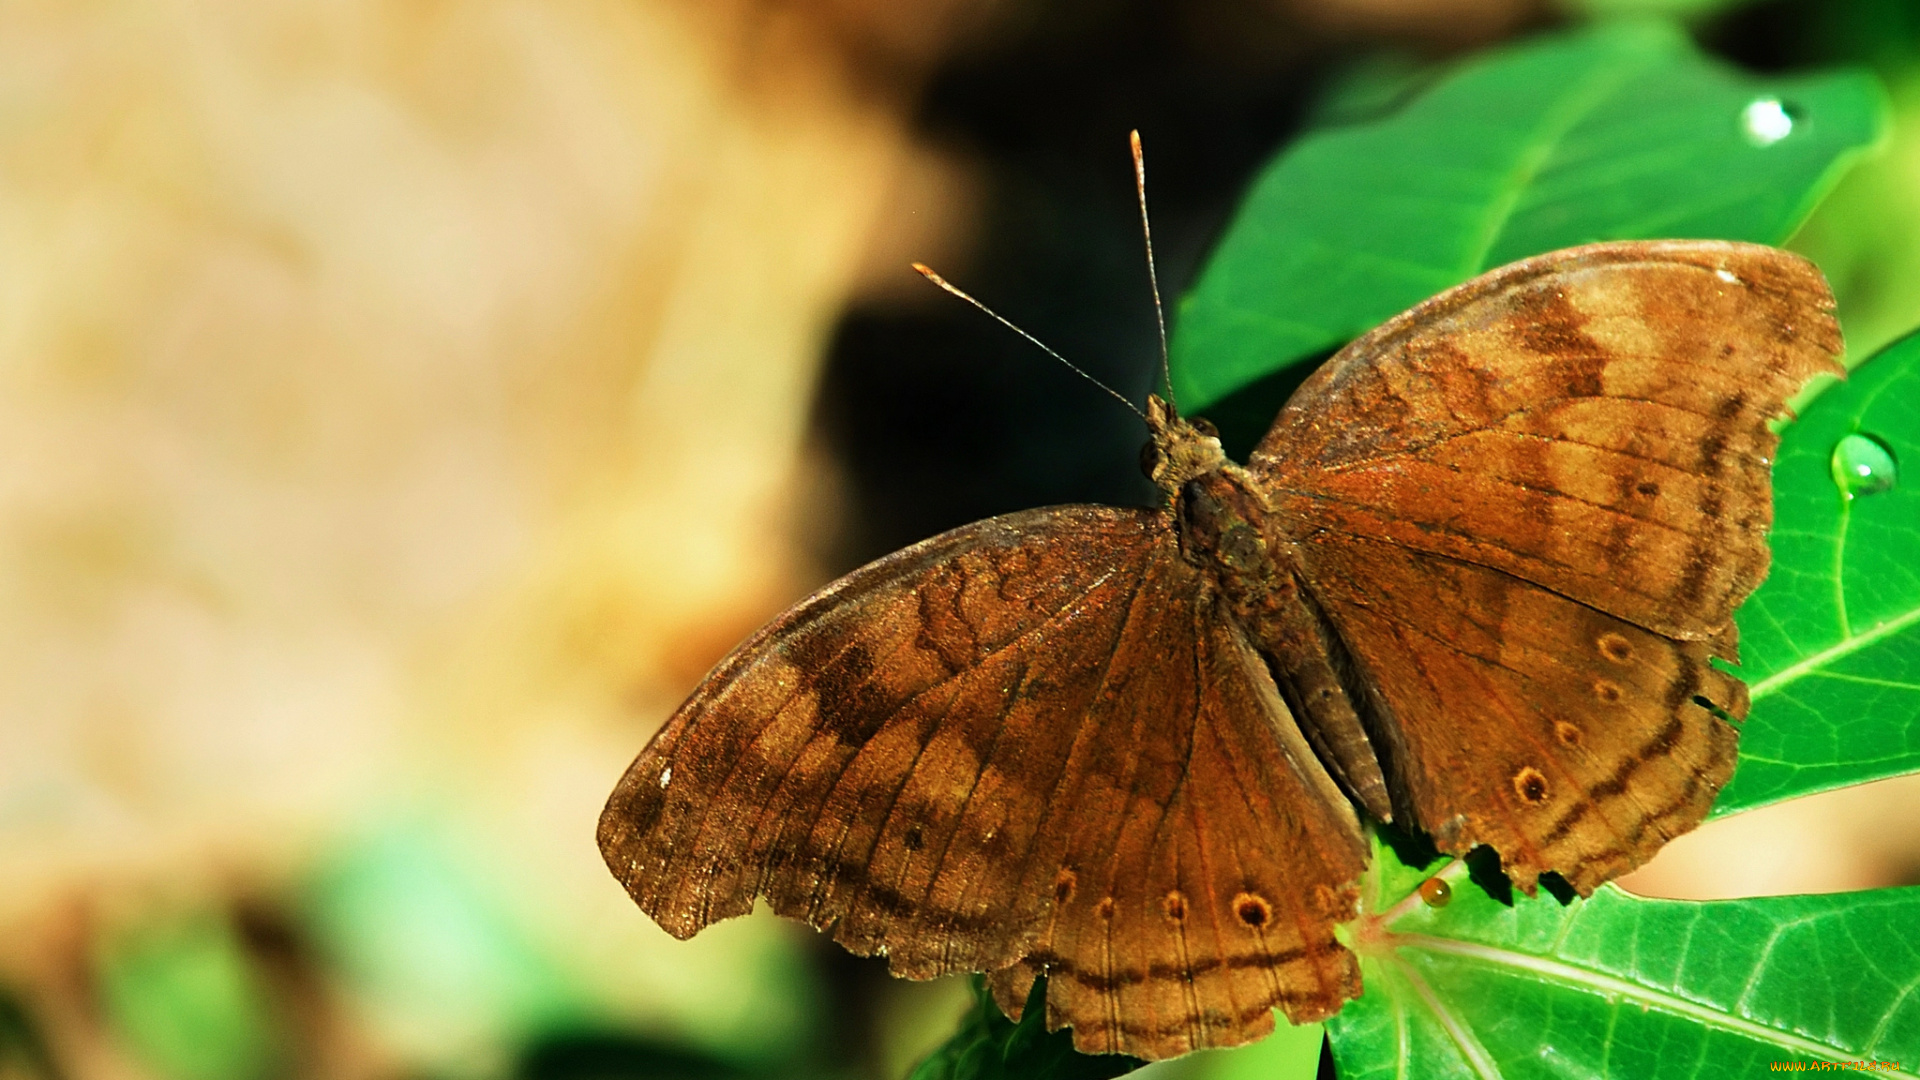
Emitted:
<point x="1863" y="465"/>
<point x="1436" y="893"/>
<point x="1766" y="121"/>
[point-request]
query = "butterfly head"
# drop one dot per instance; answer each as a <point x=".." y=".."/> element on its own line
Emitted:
<point x="1177" y="449"/>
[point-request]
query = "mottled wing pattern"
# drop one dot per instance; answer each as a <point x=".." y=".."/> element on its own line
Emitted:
<point x="1529" y="507"/>
<point x="1034" y="738"/>
<point x="1215" y="899"/>
<point x="1593" y="421"/>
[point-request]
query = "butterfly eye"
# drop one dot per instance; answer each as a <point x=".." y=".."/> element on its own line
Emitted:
<point x="1205" y="427"/>
<point x="1149" y="458"/>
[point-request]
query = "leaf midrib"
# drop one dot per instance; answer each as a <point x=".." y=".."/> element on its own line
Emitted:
<point x="1533" y="154"/>
<point x="1834" y="653"/>
<point x="1598" y="983"/>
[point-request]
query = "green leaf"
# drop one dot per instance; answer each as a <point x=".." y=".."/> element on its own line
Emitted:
<point x="1676" y="9"/>
<point x="183" y="995"/>
<point x="1830" y="643"/>
<point x="1618" y="132"/>
<point x="1622" y="986"/>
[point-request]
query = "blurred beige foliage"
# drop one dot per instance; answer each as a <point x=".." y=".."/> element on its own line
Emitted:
<point x="404" y="403"/>
<point x="403" y="406"/>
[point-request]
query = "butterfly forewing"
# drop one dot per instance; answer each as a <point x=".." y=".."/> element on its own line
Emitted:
<point x="1529" y="506"/>
<point x="1593" y="421"/>
<point x="1035" y="737"/>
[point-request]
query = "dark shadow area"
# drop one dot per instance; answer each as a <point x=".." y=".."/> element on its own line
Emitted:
<point x="854" y="988"/>
<point x="941" y="416"/>
<point x="1556" y="886"/>
<point x="23" y="1049"/>
<point x="1411" y="848"/>
<point x="1244" y="416"/>
<point x="1483" y="869"/>
<point x="1783" y="35"/>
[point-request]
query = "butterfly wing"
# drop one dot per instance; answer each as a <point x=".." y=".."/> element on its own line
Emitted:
<point x="1565" y="738"/>
<point x="1031" y="738"/>
<point x="1529" y="507"/>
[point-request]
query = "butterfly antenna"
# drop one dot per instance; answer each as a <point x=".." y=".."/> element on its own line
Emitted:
<point x="1153" y="275"/>
<point x="926" y="271"/>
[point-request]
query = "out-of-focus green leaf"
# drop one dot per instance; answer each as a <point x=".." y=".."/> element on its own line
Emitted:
<point x="446" y="961"/>
<point x="1830" y="643"/>
<point x="1617" y="132"/>
<point x="442" y="972"/>
<point x="1866" y="236"/>
<point x="1621" y="986"/>
<point x="181" y="994"/>
<point x="1672" y="9"/>
<point x="1290" y="1053"/>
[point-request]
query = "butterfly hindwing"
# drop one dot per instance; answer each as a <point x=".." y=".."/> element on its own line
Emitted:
<point x="1567" y="739"/>
<point x="1216" y="899"/>
<point x="1034" y="737"/>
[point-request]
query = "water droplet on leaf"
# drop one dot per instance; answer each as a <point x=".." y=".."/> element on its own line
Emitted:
<point x="1863" y="465"/>
<point x="1436" y="892"/>
<point x="1766" y="121"/>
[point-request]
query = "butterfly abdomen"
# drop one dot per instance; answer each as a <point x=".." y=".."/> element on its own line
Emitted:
<point x="1224" y="529"/>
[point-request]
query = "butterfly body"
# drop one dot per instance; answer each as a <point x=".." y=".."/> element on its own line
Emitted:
<point x="1226" y="527"/>
<point x="1474" y="578"/>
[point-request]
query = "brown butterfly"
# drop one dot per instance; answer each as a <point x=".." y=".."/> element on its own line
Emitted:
<point x="1472" y="581"/>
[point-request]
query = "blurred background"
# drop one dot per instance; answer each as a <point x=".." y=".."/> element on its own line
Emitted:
<point x="406" y="402"/>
